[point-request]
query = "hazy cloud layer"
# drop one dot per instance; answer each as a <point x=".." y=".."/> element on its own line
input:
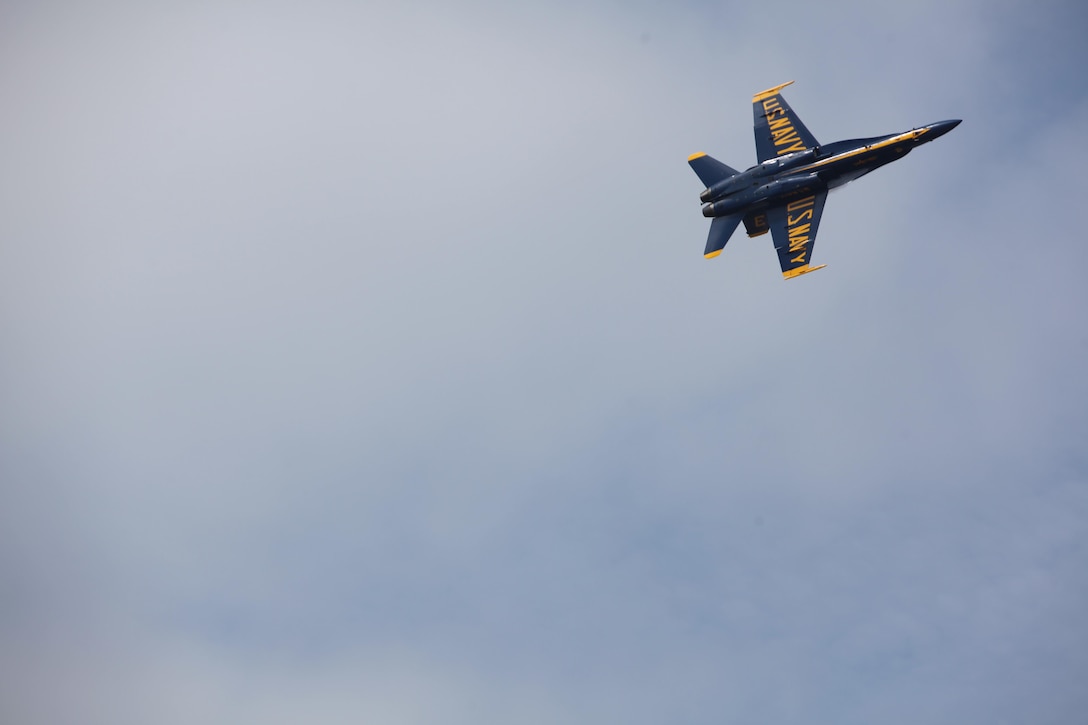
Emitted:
<point x="358" y="363"/>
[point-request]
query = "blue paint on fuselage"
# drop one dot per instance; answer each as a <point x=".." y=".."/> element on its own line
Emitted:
<point x="801" y="173"/>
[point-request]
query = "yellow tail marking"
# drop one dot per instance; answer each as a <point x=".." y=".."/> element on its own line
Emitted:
<point x="769" y="92"/>
<point x="790" y="274"/>
<point x="713" y="254"/>
<point x="697" y="155"/>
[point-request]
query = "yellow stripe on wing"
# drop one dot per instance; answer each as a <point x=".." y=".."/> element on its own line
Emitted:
<point x="798" y="271"/>
<point x="769" y="92"/>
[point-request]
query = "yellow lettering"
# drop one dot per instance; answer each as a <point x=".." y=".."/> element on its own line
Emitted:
<point x="784" y="135"/>
<point x="801" y="204"/>
<point x="798" y="211"/>
<point x="801" y="232"/>
<point x="799" y="146"/>
<point x="806" y="214"/>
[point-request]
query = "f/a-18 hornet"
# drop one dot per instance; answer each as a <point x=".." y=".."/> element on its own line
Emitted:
<point x="785" y="192"/>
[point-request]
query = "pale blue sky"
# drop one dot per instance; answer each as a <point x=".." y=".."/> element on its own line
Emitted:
<point x="359" y="363"/>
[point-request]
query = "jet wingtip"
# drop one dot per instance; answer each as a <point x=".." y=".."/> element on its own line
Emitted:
<point x="798" y="271"/>
<point x="769" y="92"/>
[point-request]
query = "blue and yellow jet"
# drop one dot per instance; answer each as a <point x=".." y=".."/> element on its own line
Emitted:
<point x="785" y="193"/>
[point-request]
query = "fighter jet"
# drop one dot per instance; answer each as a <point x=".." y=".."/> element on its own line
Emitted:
<point x="785" y="192"/>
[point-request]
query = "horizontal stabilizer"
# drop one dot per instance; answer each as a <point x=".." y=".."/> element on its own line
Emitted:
<point x="709" y="170"/>
<point x="720" y="230"/>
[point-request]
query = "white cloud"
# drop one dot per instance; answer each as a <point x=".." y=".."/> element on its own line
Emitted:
<point x="361" y="361"/>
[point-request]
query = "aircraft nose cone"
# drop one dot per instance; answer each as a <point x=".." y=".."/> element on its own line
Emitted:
<point x="941" y="128"/>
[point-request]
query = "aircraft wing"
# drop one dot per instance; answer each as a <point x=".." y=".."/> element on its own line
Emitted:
<point x="778" y="129"/>
<point x="793" y="228"/>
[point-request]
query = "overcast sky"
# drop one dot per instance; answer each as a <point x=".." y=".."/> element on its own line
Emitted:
<point x="359" y="363"/>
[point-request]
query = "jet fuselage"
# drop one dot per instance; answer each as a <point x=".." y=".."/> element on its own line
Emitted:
<point x="800" y="174"/>
<point x="785" y="193"/>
